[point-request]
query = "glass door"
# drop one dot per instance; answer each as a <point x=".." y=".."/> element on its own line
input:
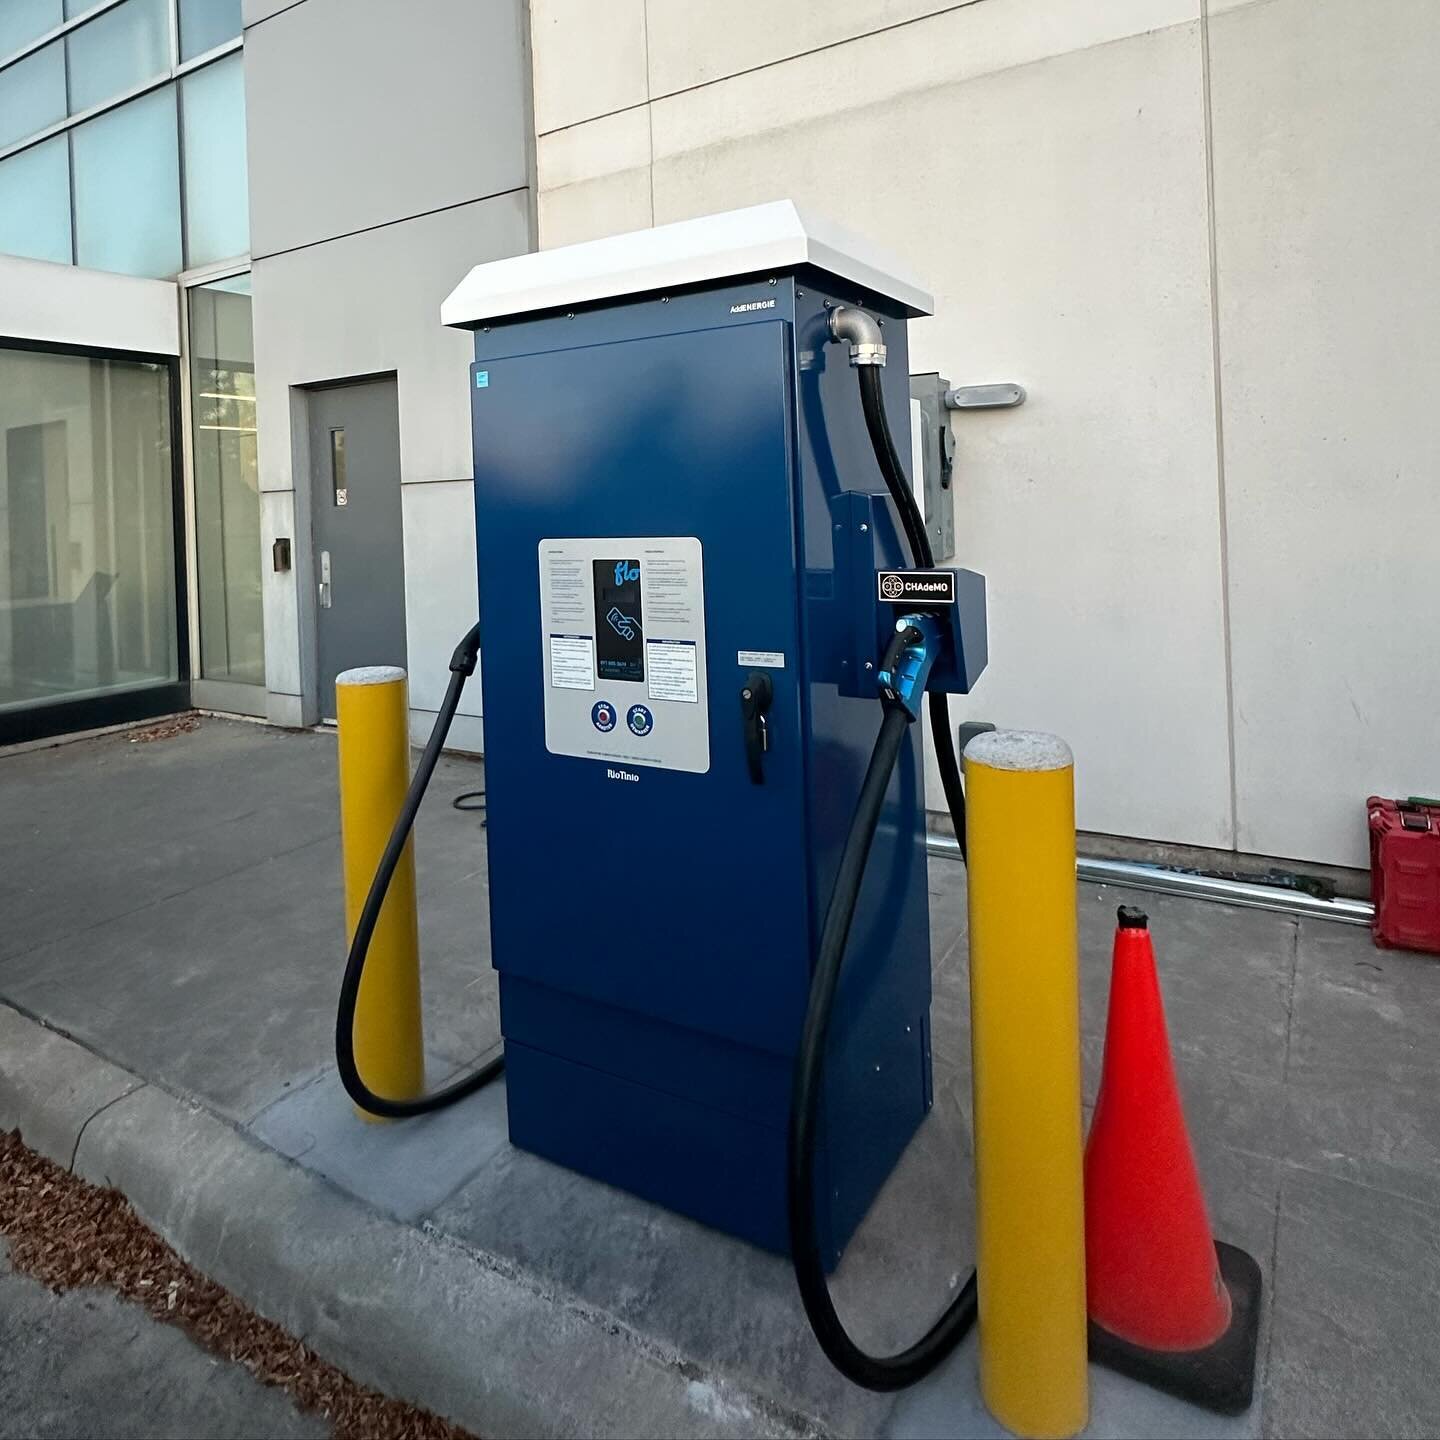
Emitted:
<point x="227" y="497"/>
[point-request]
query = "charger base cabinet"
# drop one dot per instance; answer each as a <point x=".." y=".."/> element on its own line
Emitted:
<point x="654" y="911"/>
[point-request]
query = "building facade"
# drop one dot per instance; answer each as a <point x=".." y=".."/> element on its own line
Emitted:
<point x="123" y="248"/>
<point x="1195" y="230"/>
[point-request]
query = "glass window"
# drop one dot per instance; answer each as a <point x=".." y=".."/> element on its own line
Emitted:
<point x="35" y="202"/>
<point x="127" y="188"/>
<point x="204" y="24"/>
<point x="120" y="49"/>
<point x="227" y="482"/>
<point x="32" y="93"/>
<point x="339" y="481"/>
<point x="87" y="556"/>
<point x="217" y="207"/>
<point x="22" y="21"/>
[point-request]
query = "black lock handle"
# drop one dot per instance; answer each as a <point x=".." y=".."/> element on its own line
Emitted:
<point x="756" y="696"/>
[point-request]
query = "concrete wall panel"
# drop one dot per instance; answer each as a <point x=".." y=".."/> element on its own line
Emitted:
<point x="363" y="112"/>
<point x="963" y="43"/>
<point x="599" y="147"/>
<point x="1327" y="185"/>
<point x="371" y="304"/>
<point x="596" y="178"/>
<point x="1094" y="510"/>
<point x="282" y="621"/>
<point x="617" y="202"/>
<point x="441" y="603"/>
<point x="252" y="12"/>
<point x="589" y="59"/>
<point x="694" y="44"/>
<point x="310" y="329"/>
<point x="70" y="306"/>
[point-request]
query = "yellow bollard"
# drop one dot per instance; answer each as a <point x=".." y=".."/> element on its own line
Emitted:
<point x="372" y="712"/>
<point x="1025" y="1038"/>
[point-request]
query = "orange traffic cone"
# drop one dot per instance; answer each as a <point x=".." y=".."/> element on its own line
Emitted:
<point x="1167" y="1304"/>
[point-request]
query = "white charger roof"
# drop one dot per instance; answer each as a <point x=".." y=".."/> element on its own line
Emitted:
<point x="773" y="237"/>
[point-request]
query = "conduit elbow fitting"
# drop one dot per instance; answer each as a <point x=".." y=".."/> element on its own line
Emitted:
<point x="863" y="334"/>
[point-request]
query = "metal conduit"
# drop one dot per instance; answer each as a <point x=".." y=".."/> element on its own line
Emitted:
<point x="1138" y="876"/>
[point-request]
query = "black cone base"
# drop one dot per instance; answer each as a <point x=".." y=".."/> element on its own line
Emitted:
<point x="1220" y="1377"/>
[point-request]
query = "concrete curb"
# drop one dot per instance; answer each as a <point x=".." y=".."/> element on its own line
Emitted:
<point x="412" y="1312"/>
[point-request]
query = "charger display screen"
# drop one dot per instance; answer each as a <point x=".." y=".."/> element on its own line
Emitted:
<point x="619" y="623"/>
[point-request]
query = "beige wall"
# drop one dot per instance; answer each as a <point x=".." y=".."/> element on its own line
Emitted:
<point x="1327" y="193"/>
<point x="1195" y="582"/>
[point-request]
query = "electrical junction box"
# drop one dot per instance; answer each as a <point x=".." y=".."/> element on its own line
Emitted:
<point x="933" y="459"/>
<point x="675" y="500"/>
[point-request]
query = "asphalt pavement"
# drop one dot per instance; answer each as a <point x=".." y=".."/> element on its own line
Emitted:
<point x="169" y="960"/>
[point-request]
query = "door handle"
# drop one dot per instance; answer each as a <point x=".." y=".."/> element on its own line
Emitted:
<point x="756" y="696"/>
<point x="324" y="579"/>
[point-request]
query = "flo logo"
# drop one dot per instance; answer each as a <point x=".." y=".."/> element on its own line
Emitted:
<point x="626" y="571"/>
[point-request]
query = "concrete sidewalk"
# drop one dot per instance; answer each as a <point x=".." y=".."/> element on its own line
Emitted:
<point x="87" y="1364"/>
<point x="173" y="909"/>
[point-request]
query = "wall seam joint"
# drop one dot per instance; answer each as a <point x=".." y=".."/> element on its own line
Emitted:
<point x="649" y="108"/>
<point x="275" y="14"/>
<point x="384" y="224"/>
<point x="1222" y="501"/>
<point x="650" y="98"/>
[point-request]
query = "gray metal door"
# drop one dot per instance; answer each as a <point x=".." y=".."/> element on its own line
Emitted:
<point x="359" y="556"/>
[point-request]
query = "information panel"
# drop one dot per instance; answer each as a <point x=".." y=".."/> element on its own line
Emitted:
<point x="622" y="627"/>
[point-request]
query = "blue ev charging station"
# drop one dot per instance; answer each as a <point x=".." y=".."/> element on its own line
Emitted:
<point x="709" y="616"/>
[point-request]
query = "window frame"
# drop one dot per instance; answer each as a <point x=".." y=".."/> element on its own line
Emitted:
<point x="63" y="151"/>
<point x="176" y="71"/>
<point x="173" y="118"/>
<point x="57" y="31"/>
<point x="166" y="56"/>
<point x="169" y="77"/>
<point x="24" y="140"/>
<point x="224" y="260"/>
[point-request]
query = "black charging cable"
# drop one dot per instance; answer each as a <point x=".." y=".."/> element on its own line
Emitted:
<point x="472" y="801"/>
<point x="872" y="401"/>
<point x="875" y="1372"/>
<point x="462" y="667"/>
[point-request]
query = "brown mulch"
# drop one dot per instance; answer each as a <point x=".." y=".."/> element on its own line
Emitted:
<point x="68" y="1233"/>
<point x="166" y="730"/>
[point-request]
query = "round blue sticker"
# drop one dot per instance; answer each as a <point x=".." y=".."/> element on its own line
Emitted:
<point x="640" y="720"/>
<point x="602" y="717"/>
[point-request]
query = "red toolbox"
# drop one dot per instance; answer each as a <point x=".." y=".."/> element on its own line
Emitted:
<point x="1405" y="872"/>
